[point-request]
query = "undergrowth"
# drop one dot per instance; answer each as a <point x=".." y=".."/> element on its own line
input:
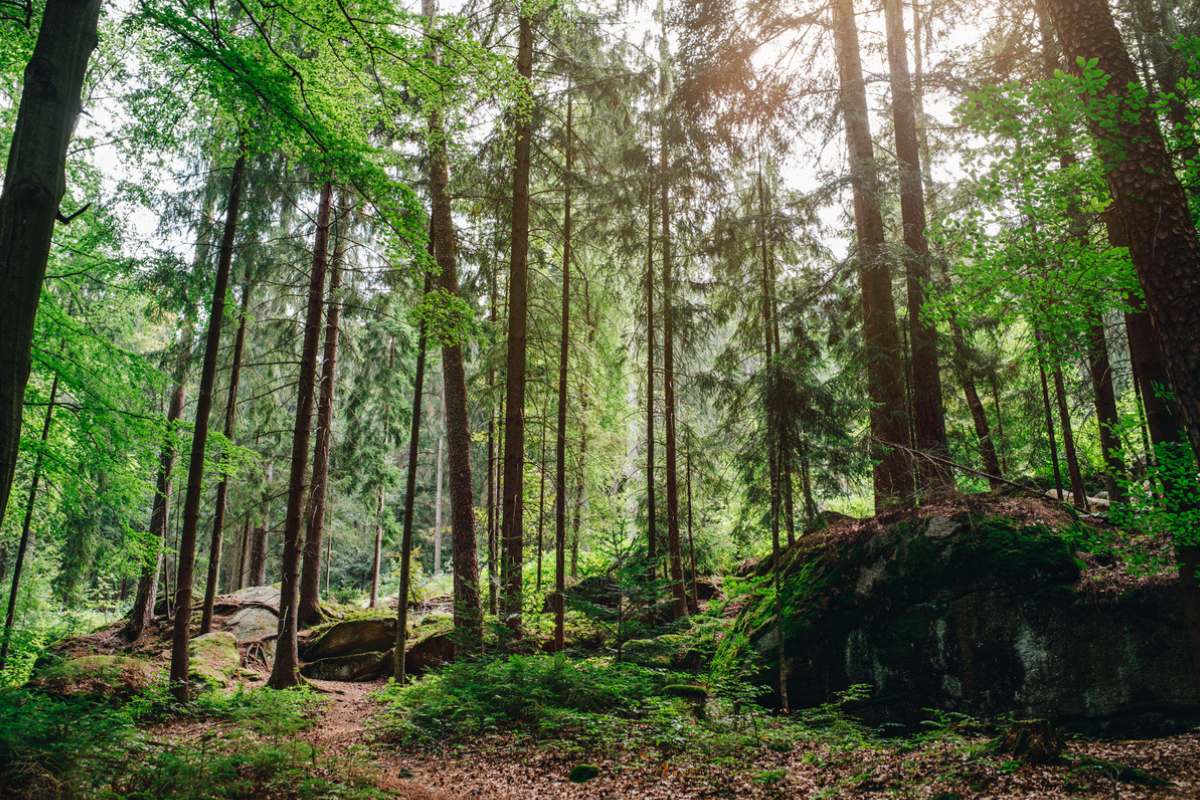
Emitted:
<point x="77" y="748"/>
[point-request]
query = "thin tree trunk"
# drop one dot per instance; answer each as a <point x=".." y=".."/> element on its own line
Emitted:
<point x="1064" y="416"/>
<point x="1147" y="195"/>
<point x="437" y="511"/>
<point x="468" y="620"/>
<point x="309" y="610"/>
<point x="244" y="555"/>
<point x="377" y="560"/>
<point x="674" y="550"/>
<point x="651" y="511"/>
<point x="191" y="506"/>
<point x="691" y="540"/>
<point x="27" y="526"/>
<point x="929" y="417"/>
<point x="983" y="433"/>
<point x="34" y="185"/>
<point x="143" y="603"/>
<point x="214" y="552"/>
<point x="492" y="493"/>
<point x="287" y="661"/>
<point x="560" y="441"/>
<point x="541" y="501"/>
<point x="512" y="525"/>
<point x="1001" y="442"/>
<point x="1106" y="411"/>
<point x="1051" y="439"/>
<point x="410" y="494"/>
<point x="885" y="382"/>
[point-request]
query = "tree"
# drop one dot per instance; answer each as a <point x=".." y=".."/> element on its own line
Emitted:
<point x="512" y="531"/>
<point x="191" y="503"/>
<point x="309" y="610"/>
<point x="287" y="660"/>
<point x="34" y="185"/>
<point x="929" y="418"/>
<point x="885" y="384"/>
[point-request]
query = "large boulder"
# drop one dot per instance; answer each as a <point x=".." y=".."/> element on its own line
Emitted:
<point x="97" y="676"/>
<point x="352" y="636"/>
<point x="598" y="595"/>
<point x="354" y="667"/>
<point x="213" y="658"/>
<point x="253" y="624"/>
<point x="968" y="611"/>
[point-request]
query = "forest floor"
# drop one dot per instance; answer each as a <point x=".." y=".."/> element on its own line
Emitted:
<point x="504" y="766"/>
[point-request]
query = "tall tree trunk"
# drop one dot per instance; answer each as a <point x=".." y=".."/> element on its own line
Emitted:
<point x="885" y="382"/>
<point x="27" y="526"/>
<point x="674" y="548"/>
<point x="143" y="603"/>
<point x="929" y="417"/>
<point x="512" y="525"/>
<point x="492" y="493"/>
<point x="34" y="185"/>
<point x="1147" y="195"/>
<point x="560" y="441"/>
<point x="468" y="620"/>
<point x="243" y="567"/>
<point x="284" y="670"/>
<point x="309" y="610"/>
<point x="377" y="560"/>
<point x="541" y="501"/>
<point x="186" y="557"/>
<point x="410" y="493"/>
<point x="651" y="511"/>
<point x="258" y="548"/>
<point x="695" y="602"/>
<point x="214" y="551"/>
<point x="1001" y="444"/>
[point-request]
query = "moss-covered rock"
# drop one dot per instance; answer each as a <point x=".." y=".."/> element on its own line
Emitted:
<point x="354" y="667"/>
<point x="98" y="676"/>
<point x="352" y="636"/>
<point x="213" y="659"/>
<point x="965" y="611"/>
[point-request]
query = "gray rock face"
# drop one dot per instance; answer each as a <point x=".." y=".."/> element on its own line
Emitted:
<point x="253" y="624"/>
<point x="372" y="634"/>
<point x="973" y="614"/>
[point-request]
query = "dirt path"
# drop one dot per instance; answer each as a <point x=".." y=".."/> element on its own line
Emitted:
<point x="344" y="728"/>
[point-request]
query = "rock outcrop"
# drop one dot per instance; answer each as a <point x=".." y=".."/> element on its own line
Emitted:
<point x="975" y="609"/>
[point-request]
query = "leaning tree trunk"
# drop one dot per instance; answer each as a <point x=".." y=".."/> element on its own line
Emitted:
<point x="1106" y="410"/>
<point x="1078" y="492"/>
<point x="511" y="527"/>
<point x="214" y="552"/>
<point x="287" y="660"/>
<point x="560" y="441"/>
<point x="143" y="603"/>
<point x="34" y="185"/>
<point x="1051" y="441"/>
<point x="468" y="619"/>
<point x="410" y="493"/>
<point x="885" y="381"/>
<point x="27" y="526"/>
<point x="929" y="417"/>
<point x="186" y="554"/>
<point x="1146" y="193"/>
<point x="309" y="610"/>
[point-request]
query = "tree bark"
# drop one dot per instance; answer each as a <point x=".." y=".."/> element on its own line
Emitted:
<point x="1051" y="440"/>
<point x="287" y="661"/>
<point x="143" y="603"/>
<point x="1106" y="410"/>
<point x="468" y="620"/>
<point x="651" y="511"/>
<point x="983" y="433"/>
<point x="410" y="493"/>
<point x="377" y="560"/>
<point x="674" y="548"/>
<point x="1147" y="195"/>
<point x="437" y="511"/>
<point x="695" y="601"/>
<point x="309" y="611"/>
<point x="885" y="382"/>
<point x="214" y="551"/>
<point x="1078" y="492"/>
<point x="560" y="441"/>
<point x="929" y="417"/>
<point x="34" y="185"/>
<point x="186" y="557"/>
<point x="512" y="532"/>
<point x="27" y="526"/>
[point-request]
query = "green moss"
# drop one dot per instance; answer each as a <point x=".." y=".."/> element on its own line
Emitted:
<point x="213" y="658"/>
<point x="582" y="773"/>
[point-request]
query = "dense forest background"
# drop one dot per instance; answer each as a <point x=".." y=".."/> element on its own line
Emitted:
<point x="466" y="304"/>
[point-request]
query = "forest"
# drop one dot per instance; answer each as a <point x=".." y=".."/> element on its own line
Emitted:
<point x="599" y="399"/>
